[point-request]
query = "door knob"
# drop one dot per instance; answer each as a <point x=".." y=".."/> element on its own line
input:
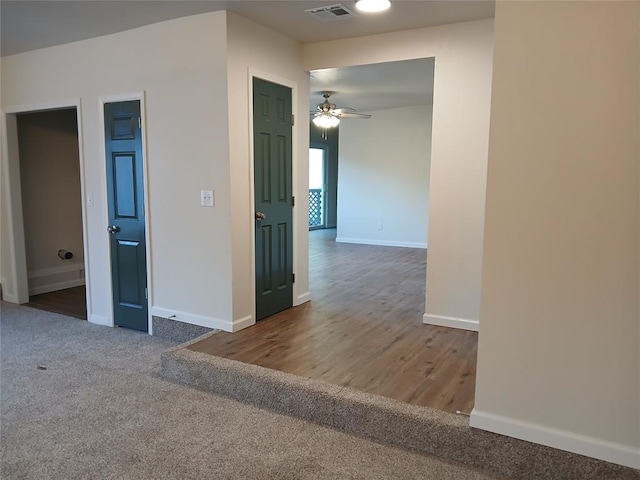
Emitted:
<point x="260" y="216"/>
<point x="113" y="229"/>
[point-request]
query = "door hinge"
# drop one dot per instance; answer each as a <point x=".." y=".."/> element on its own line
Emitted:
<point x="146" y="293"/>
<point x="293" y="277"/>
<point x="293" y="119"/>
<point x="293" y="201"/>
<point x="139" y="122"/>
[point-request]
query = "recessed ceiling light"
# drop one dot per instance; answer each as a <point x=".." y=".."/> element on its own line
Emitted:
<point x="372" y="5"/>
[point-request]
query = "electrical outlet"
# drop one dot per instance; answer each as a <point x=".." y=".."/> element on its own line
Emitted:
<point x="206" y="198"/>
<point x="380" y="226"/>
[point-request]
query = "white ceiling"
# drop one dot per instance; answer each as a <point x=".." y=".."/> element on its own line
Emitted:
<point x="376" y="87"/>
<point x="28" y="25"/>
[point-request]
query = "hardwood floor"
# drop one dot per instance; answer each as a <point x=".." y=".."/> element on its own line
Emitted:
<point x="71" y="301"/>
<point x="363" y="329"/>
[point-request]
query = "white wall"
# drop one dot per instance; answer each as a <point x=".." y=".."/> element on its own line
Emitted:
<point x="256" y="50"/>
<point x="15" y="288"/>
<point x="5" y="254"/>
<point x="462" y="91"/>
<point x="383" y="179"/>
<point x="5" y="257"/>
<point x="6" y="268"/>
<point x="181" y="67"/>
<point x="559" y="350"/>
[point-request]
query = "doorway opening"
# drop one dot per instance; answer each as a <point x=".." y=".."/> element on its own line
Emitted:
<point x="126" y="214"/>
<point x="51" y="204"/>
<point x="317" y="187"/>
<point x="273" y="197"/>
<point x="363" y="328"/>
<point x="377" y="174"/>
<point x="323" y="177"/>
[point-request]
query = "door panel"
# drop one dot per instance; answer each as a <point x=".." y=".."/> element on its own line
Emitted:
<point x="266" y="268"/>
<point x="125" y="190"/>
<point x="125" y="185"/>
<point x="128" y="278"/>
<point x="284" y="248"/>
<point x="272" y="170"/>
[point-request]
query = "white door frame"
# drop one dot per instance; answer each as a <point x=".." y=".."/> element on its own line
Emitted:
<point x="126" y="97"/>
<point x="18" y="283"/>
<point x="252" y="72"/>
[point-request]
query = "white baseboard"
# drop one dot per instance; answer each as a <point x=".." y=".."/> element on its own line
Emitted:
<point x="9" y="297"/>
<point x="201" y="320"/>
<point x="6" y="296"/>
<point x="243" y="323"/>
<point x="49" y="272"/>
<point x="562" y="440"/>
<point x="304" y="298"/>
<point x="100" y="320"/>
<point x="382" y="243"/>
<point x="54" y="287"/>
<point x="443" y="321"/>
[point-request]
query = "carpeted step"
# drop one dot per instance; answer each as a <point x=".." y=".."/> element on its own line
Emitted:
<point x="421" y="429"/>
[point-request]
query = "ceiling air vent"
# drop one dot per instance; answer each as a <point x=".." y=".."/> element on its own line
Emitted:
<point x="330" y="13"/>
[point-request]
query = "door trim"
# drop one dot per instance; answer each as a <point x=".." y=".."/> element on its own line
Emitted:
<point x="285" y="82"/>
<point x="15" y="220"/>
<point x="125" y="97"/>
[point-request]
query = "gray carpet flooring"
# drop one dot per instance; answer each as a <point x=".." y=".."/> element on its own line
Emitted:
<point x="99" y="410"/>
<point x="419" y="429"/>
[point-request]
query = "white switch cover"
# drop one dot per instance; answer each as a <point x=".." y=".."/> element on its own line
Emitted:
<point x="206" y="198"/>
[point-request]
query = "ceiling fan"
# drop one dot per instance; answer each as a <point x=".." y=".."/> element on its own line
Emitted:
<point x="327" y="115"/>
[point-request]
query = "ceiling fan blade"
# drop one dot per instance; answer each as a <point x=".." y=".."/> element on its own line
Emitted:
<point x="326" y="108"/>
<point x="340" y="110"/>
<point x="318" y="114"/>
<point x="354" y="115"/>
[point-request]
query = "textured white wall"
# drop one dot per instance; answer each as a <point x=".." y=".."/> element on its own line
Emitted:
<point x="383" y="177"/>
<point x="254" y="49"/>
<point x="181" y="66"/>
<point x="462" y="91"/>
<point x="559" y="352"/>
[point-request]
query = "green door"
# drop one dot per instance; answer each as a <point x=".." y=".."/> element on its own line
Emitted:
<point x="272" y="121"/>
<point x="125" y="190"/>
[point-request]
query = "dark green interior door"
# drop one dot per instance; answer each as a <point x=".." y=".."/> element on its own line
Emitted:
<point x="125" y="189"/>
<point x="272" y="121"/>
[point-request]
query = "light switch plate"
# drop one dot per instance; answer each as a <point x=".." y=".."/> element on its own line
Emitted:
<point x="206" y="198"/>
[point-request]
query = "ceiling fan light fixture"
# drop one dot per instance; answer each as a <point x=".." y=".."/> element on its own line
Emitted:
<point x="372" y="6"/>
<point x="326" y="121"/>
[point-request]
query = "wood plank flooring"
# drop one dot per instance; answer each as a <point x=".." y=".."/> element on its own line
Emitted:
<point x="70" y="301"/>
<point x="363" y="329"/>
